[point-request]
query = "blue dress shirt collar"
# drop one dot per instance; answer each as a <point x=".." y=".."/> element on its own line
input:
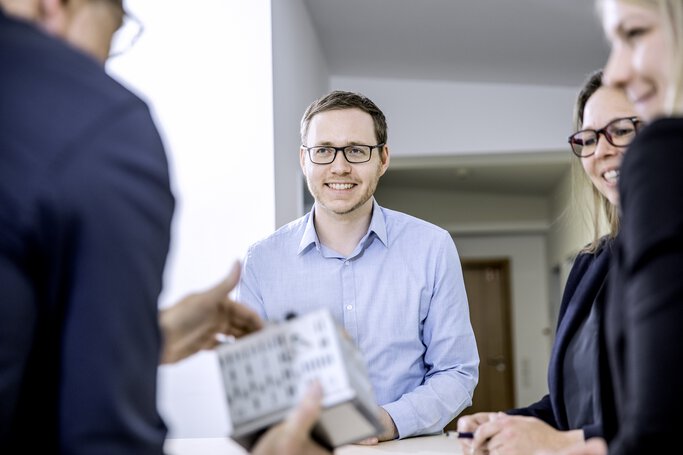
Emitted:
<point x="377" y="226"/>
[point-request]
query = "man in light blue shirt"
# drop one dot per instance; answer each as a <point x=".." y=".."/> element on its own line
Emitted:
<point x="394" y="282"/>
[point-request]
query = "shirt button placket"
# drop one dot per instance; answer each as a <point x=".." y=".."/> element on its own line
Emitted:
<point x="349" y="299"/>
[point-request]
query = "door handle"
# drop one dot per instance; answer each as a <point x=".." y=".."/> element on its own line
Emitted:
<point x="498" y="362"/>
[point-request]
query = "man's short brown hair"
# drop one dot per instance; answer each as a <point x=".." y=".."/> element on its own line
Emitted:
<point x="345" y="100"/>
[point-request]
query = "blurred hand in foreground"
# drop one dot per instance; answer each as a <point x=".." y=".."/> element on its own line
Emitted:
<point x="193" y="323"/>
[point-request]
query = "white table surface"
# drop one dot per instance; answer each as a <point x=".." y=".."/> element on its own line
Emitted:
<point x="423" y="445"/>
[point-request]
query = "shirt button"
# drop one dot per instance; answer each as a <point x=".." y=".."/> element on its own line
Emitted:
<point x="349" y="307"/>
<point x="346" y="262"/>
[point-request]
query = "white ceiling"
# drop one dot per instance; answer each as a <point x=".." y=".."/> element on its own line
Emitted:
<point x="547" y="42"/>
<point x="539" y="42"/>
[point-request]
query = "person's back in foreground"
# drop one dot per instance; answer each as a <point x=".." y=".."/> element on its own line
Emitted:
<point x="85" y="211"/>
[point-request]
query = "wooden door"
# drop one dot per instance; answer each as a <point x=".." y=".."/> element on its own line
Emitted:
<point x="488" y="294"/>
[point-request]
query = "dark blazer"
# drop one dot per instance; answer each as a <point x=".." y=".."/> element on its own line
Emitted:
<point x="586" y="280"/>
<point x="642" y="389"/>
<point x="85" y="212"/>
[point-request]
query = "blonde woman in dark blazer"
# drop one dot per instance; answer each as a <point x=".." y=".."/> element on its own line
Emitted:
<point x="605" y="123"/>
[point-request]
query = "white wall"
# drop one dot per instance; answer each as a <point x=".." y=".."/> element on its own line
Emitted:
<point x="529" y="289"/>
<point x="437" y="118"/>
<point x="299" y="76"/>
<point x="206" y="71"/>
<point x="463" y="212"/>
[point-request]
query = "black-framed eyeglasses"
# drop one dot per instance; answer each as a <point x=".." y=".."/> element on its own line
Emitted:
<point x="619" y="132"/>
<point x="127" y="35"/>
<point x="326" y="154"/>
